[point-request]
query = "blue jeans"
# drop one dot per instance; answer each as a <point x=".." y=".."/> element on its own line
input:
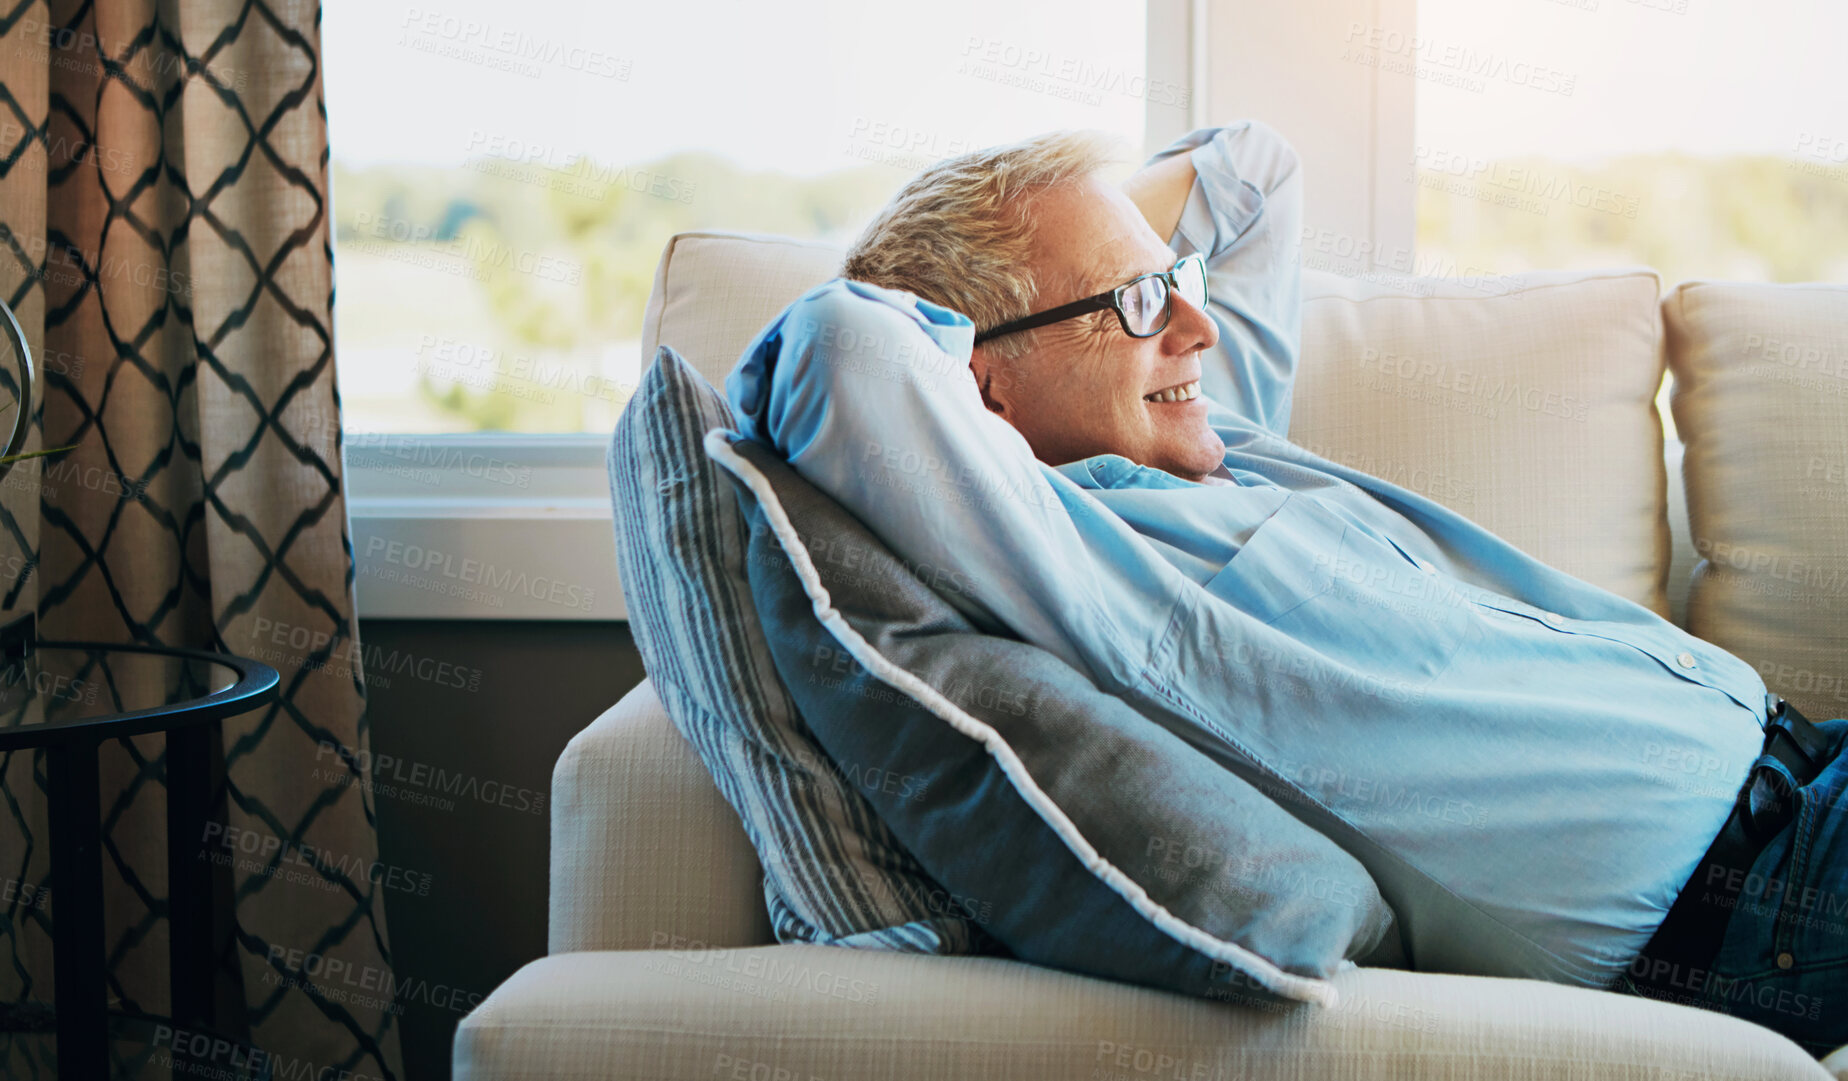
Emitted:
<point x="1783" y="962"/>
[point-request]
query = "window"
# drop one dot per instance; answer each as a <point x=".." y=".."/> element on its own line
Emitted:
<point x="1582" y="133"/>
<point x="1706" y="140"/>
<point x="506" y="175"/>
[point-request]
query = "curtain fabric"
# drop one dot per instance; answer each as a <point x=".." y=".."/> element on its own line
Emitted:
<point x="165" y="242"/>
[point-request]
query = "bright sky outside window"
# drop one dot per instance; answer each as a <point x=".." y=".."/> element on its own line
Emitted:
<point x="505" y="176"/>
<point x="1705" y="138"/>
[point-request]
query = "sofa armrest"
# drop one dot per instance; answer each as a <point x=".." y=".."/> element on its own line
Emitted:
<point x="645" y="852"/>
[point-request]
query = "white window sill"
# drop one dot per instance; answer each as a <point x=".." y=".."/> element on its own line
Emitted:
<point x="484" y="526"/>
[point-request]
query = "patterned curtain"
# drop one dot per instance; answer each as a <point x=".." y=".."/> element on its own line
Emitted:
<point x="164" y="240"/>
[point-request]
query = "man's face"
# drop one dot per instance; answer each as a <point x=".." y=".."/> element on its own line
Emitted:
<point x="1086" y="387"/>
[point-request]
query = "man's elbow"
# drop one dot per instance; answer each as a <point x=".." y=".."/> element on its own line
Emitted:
<point x="1267" y="160"/>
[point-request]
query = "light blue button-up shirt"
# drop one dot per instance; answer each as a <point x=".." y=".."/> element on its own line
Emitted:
<point x="1529" y="765"/>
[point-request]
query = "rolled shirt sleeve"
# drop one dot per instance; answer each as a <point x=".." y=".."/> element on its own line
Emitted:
<point x="1245" y="214"/>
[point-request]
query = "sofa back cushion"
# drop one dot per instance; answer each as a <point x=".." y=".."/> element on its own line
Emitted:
<point x="833" y="873"/>
<point x="714" y="291"/>
<point x="1524" y="403"/>
<point x="1760" y="399"/>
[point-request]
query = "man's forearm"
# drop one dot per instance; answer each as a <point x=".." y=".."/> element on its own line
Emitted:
<point x="1160" y="192"/>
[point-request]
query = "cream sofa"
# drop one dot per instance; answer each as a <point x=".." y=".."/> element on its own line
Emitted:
<point x="1528" y="404"/>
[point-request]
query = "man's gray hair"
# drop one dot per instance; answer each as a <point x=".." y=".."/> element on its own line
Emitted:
<point x="955" y="235"/>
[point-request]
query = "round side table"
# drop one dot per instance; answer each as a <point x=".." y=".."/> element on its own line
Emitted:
<point x="67" y="698"/>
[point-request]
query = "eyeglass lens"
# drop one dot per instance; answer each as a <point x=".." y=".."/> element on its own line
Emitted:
<point x="1145" y="304"/>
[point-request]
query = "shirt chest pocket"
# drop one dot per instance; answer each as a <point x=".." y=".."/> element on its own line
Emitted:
<point x="1291" y="558"/>
<point x="1353" y="598"/>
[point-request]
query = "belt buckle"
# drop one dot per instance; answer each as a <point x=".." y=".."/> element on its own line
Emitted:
<point x="1781" y="727"/>
<point x="1763" y="821"/>
<point x="1778" y="722"/>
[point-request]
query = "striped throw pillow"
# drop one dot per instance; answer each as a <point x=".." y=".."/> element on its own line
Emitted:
<point x="833" y="873"/>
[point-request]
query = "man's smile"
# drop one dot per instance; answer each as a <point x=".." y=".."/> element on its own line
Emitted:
<point x="1180" y="392"/>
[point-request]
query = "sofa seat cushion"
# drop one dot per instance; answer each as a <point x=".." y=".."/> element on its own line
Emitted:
<point x="1761" y="401"/>
<point x="797" y="1013"/>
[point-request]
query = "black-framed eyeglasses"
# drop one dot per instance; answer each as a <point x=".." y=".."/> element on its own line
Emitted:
<point x="1141" y="304"/>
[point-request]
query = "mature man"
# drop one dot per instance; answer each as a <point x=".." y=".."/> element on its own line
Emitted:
<point x="1016" y="379"/>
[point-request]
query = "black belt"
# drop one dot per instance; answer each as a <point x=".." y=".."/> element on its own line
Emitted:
<point x="1689" y="937"/>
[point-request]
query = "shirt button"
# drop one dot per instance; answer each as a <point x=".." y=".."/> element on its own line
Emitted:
<point x="1784" y="960"/>
<point x="1686" y="660"/>
<point x="1551" y="619"/>
<point x="1424" y="565"/>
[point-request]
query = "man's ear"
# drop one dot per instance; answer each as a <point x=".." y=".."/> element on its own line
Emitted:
<point x="993" y="379"/>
